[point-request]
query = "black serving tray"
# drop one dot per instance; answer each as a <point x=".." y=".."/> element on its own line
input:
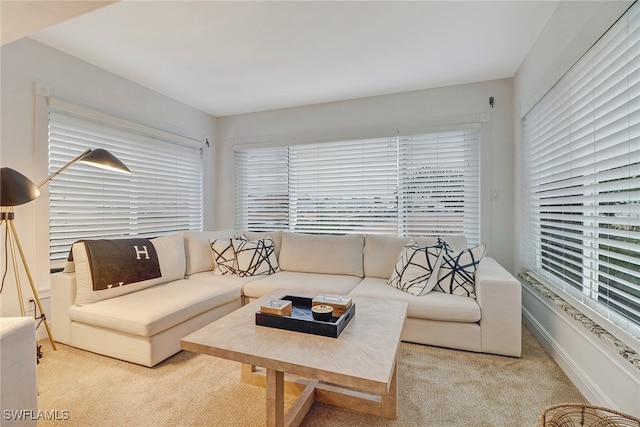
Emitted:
<point x="301" y="319"/>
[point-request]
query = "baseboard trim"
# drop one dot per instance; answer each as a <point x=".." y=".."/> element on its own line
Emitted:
<point x="604" y="376"/>
<point x="577" y="375"/>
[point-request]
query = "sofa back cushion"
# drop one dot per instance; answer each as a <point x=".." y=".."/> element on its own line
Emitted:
<point x="276" y="237"/>
<point x="171" y="257"/>
<point x="198" y="250"/>
<point x="324" y="254"/>
<point x="381" y="252"/>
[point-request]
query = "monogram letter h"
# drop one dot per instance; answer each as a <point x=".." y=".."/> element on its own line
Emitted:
<point x="141" y="251"/>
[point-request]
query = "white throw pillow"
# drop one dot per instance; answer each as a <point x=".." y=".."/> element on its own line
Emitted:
<point x="224" y="257"/>
<point x="416" y="269"/>
<point x="458" y="269"/>
<point x="255" y="257"/>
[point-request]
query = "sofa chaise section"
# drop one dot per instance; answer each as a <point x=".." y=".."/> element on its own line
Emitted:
<point x="143" y="326"/>
<point x="489" y="323"/>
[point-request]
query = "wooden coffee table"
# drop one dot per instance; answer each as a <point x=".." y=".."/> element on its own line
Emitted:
<point x="357" y="370"/>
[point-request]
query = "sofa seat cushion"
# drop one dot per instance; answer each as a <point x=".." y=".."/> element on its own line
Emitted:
<point x="155" y="309"/>
<point x="432" y="306"/>
<point x="311" y="282"/>
<point x="227" y="279"/>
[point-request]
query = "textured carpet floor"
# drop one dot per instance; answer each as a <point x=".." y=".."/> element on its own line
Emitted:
<point x="437" y="387"/>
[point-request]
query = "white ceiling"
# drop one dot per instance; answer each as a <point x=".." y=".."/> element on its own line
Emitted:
<point x="236" y="57"/>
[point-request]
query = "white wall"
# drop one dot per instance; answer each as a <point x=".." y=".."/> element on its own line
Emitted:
<point x="363" y="117"/>
<point x="25" y="63"/>
<point x="601" y="374"/>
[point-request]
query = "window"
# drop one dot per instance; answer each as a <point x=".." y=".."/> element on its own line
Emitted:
<point x="582" y="179"/>
<point x="343" y="187"/>
<point x="425" y="184"/>
<point x="439" y="184"/>
<point x="162" y="195"/>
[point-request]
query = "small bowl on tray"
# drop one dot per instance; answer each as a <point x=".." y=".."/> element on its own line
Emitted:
<point x="322" y="312"/>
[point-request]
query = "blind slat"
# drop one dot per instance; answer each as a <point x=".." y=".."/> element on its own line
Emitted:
<point x="581" y="179"/>
<point x="412" y="185"/>
<point x="162" y="195"/>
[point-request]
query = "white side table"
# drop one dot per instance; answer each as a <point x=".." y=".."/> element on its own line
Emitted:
<point x="18" y="377"/>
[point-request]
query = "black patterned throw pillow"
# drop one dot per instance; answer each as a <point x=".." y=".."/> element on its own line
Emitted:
<point x="416" y="269"/>
<point x="458" y="268"/>
<point x="255" y="257"/>
<point x="224" y="257"/>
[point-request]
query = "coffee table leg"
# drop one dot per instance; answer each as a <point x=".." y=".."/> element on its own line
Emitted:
<point x="389" y="402"/>
<point x="275" y="398"/>
<point x="246" y="373"/>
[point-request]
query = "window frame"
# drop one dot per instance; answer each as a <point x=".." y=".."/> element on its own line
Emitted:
<point x="155" y="170"/>
<point x="479" y="129"/>
<point x="587" y="120"/>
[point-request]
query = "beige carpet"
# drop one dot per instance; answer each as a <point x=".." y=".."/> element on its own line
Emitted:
<point x="437" y="387"/>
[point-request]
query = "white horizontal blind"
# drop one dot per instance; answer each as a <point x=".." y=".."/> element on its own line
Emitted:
<point x="163" y="194"/>
<point x="582" y="178"/>
<point x="424" y="185"/>
<point x="262" y="192"/>
<point x="343" y="187"/>
<point x="439" y="184"/>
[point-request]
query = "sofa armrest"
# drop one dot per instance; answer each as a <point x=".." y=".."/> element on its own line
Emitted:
<point x="19" y="385"/>
<point x="63" y="296"/>
<point x="499" y="295"/>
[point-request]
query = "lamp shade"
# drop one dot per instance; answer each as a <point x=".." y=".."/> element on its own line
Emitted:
<point x="15" y="188"/>
<point x="105" y="160"/>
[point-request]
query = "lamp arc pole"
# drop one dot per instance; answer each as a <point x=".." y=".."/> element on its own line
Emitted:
<point x="16" y="189"/>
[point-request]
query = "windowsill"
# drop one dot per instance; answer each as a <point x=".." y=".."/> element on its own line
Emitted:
<point x="56" y="266"/>
<point x="618" y="346"/>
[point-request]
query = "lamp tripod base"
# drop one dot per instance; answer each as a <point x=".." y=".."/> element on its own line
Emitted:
<point x="13" y="242"/>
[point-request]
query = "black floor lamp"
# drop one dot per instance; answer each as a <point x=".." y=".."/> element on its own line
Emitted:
<point x="16" y="189"/>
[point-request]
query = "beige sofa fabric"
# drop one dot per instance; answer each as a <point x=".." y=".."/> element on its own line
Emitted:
<point x="321" y="283"/>
<point x="381" y="252"/>
<point x="500" y="295"/>
<point x="146" y="351"/>
<point x="458" y="335"/>
<point x="432" y="306"/>
<point x="223" y="279"/>
<point x="276" y="236"/>
<point x="198" y="251"/>
<point x="156" y="309"/>
<point x="323" y="254"/>
<point x="19" y="385"/>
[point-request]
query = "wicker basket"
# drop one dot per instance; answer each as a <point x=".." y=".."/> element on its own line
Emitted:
<point x="576" y="414"/>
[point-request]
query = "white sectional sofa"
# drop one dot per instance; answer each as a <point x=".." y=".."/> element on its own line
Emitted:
<point x="144" y="325"/>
